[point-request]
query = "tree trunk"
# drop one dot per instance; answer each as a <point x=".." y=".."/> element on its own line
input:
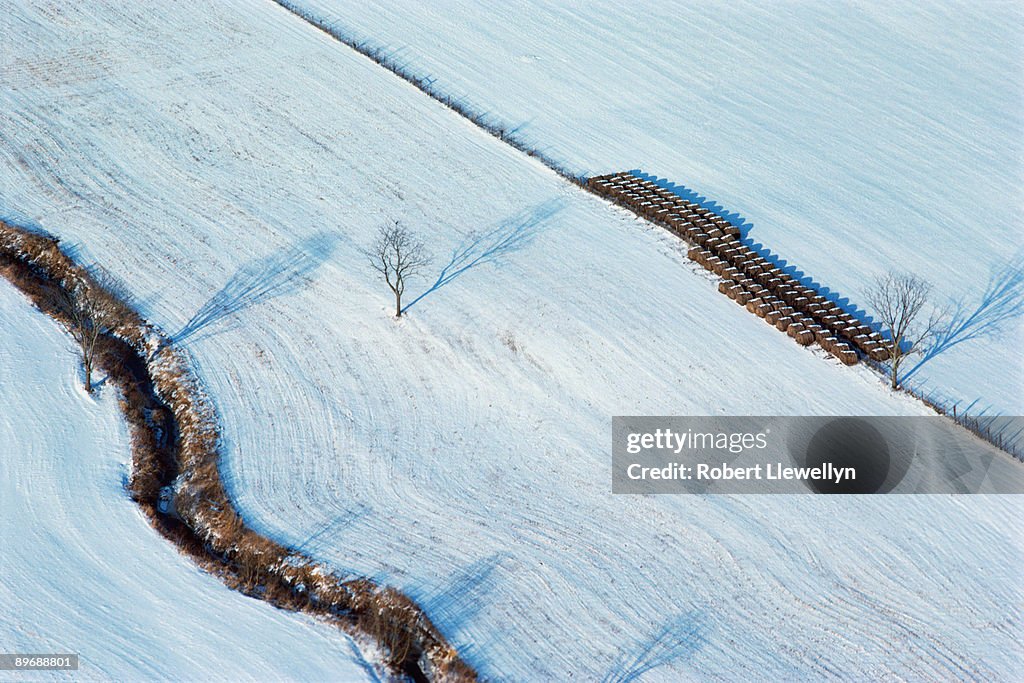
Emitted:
<point x="88" y="374"/>
<point x="398" y="304"/>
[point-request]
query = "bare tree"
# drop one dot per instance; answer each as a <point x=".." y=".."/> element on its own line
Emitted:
<point x="398" y="255"/>
<point x="89" y="313"/>
<point x="899" y="300"/>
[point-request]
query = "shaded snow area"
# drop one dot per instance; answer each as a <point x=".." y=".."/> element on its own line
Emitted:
<point x="851" y="138"/>
<point x="228" y="159"/>
<point x="84" y="572"/>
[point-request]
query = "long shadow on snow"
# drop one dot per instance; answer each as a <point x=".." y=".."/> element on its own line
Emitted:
<point x="478" y="249"/>
<point x="454" y="604"/>
<point x="1001" y="302"/>
<point x="678" y="638"/>
<point x="279" y="273"/>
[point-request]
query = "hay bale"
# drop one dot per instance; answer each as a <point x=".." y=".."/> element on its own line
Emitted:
<point x="795" y="328"/>
<point x="740" y="295"/>
<point x="783" y="323"/>
<point x="804" y="338"/>
<point x="694" y="253"/>
<point x="807" y="320"/>
<point x="879" y="352"/>
<point x="848" y="357"/>
<point x="772" y="316"/>
<point x="836" y="311"/>
<point x="725" y="287"/>
<point x="746" y="282"/>
<point x="787" y="294"/>
<point x="762" y="310"/>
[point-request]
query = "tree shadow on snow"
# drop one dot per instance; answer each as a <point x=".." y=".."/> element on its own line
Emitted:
<point x="280" y="273"/>
<point x="460" y="599"/>
<point x="480" y="248"/>
<point x="678" y="638"/>
<point x="1000" y="303"/>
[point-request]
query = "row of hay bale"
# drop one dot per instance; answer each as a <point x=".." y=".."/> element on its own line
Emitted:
<point x="747" y="277"/>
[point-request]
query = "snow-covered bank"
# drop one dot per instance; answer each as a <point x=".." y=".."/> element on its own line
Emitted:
<point x="82" y="569"/>
<point x="853" y="138"/>
<point x="462" y="453"/>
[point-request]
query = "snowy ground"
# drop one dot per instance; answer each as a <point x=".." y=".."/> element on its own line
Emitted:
<point x="852" y="137"/>
<point x="218" y="152"/>
<point x="83" y="572"/>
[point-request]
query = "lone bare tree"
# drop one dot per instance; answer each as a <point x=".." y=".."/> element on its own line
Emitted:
<point x="398" y="255"/>
<point x="899" y="300"/>
<point x="89" y="313"/>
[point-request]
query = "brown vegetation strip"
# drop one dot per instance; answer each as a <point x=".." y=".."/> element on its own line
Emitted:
<point x="175" y="438"/>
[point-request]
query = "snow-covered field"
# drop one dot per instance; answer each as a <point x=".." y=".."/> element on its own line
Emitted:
<point x="852" y="137"/>
<point x="83" y="572"/>
<point x="230" y="152"/>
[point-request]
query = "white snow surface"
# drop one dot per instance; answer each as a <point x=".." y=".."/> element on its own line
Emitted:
<point x="852" y="138"/>
<point x="83" y="571"/>
<point x="230" y="152"/>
